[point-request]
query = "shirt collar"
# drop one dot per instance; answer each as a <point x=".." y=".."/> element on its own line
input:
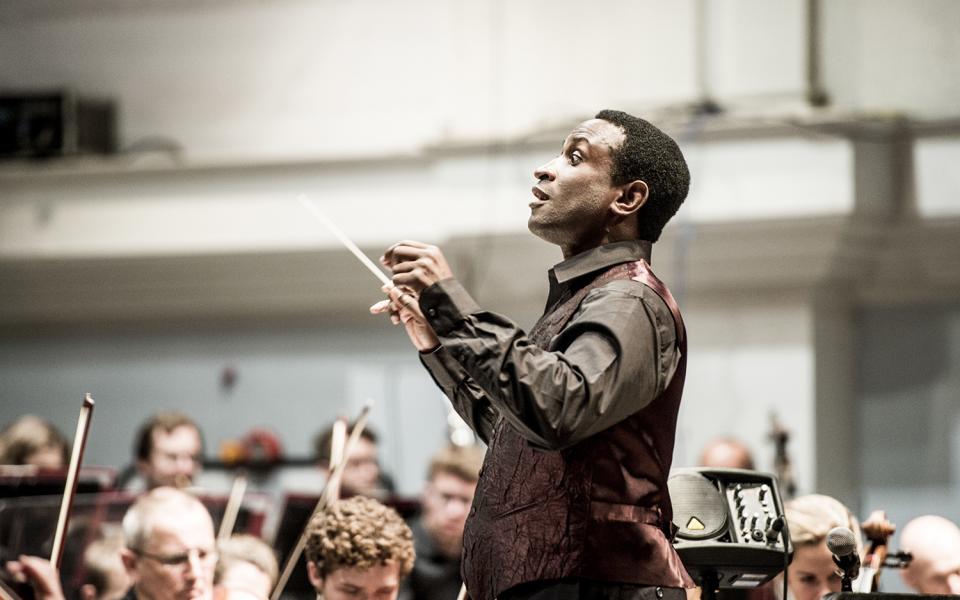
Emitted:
<point x="601" y="257"/>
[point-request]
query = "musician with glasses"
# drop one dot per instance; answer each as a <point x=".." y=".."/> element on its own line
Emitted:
<point x="170" y="549"/>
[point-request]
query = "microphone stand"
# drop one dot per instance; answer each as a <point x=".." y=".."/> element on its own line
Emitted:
<point x="848" y="570"/>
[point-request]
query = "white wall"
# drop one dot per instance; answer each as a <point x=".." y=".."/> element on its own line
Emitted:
<point x="755" y="51"/>
<point x="892" y="56"/>
<point x="748" y="362"/>
<point x="938" y="180"/>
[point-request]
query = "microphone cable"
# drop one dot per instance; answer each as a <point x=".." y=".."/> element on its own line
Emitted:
<point x="784" y="536"/>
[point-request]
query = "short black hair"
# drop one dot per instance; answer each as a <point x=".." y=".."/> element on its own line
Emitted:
<point x="651" y="155"/>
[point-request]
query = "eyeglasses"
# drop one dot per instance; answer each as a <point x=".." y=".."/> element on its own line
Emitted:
<point x="180" y="559"/>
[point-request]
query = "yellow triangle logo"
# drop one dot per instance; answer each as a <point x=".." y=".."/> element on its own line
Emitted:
<point x="695" y="524"/>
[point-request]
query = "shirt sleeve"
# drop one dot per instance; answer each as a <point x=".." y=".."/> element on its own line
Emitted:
<point x="613" y="358"/>
<point x="470" y="402"/>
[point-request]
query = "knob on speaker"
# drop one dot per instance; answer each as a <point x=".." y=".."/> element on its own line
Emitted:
<point x="699" y="511"/>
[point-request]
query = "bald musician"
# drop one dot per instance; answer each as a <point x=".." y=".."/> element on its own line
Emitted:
<point x="726" y="453"/>
<point x="580" y="413"/>
<point x="934" y="543"/>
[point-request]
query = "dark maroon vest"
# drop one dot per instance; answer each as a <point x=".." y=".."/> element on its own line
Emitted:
<point x="598" y="510"/>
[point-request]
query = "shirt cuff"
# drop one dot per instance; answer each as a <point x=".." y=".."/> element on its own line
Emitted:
<point x="445" y="304"/>
<point x="445" y="369"/>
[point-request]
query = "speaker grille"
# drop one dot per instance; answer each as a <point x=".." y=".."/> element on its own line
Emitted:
<point x="699" y="511"/>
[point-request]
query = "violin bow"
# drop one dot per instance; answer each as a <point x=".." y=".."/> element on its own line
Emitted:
<point x="70" y="488"/>
<point x="234" y="502"/>
<point x="326" y="498"/>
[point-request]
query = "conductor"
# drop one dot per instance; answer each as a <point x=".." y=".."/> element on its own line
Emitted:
<point x="580" y="412"/>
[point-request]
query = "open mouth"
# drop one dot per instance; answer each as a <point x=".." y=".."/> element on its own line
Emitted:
<point x="539" y="194"/>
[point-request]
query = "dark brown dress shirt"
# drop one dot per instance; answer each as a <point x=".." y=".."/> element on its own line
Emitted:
<point x="615" y="355"/>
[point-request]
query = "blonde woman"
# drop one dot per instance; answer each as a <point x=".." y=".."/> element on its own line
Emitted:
<point x="813" y="573"/>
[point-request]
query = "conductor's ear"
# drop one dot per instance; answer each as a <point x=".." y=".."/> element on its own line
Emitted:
<point x="633" y="195"/>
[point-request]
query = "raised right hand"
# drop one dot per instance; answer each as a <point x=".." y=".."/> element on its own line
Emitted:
<point x="404" y="310"/>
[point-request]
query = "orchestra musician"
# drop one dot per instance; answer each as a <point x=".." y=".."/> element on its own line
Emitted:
<point x="105" y="577"/>
<point x="358" y="548"/>
<point x="579" y="413"/>
<point x="31" y="440"/>
<point x="934" y="543"/>
<point x="246" y="570"/>
<point x="168" y="449"/>
<point x="438" y="530"/>
<point x="170" y="549"/>
<point x="810" y="518"/>
<point x="362" y="475"/>
<point x="726" y="453"/>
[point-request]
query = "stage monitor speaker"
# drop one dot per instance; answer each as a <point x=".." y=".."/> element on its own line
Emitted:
<point x="730" y="531"/>
<point x="56" y="123"/>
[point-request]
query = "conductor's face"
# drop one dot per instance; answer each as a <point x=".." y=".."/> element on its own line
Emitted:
<point x="574" y="191"/>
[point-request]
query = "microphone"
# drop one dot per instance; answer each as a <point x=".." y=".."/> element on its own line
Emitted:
<point x="843" y="545"/>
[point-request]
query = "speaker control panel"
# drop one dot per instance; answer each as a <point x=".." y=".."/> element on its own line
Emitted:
<point x="755" y="513"/>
